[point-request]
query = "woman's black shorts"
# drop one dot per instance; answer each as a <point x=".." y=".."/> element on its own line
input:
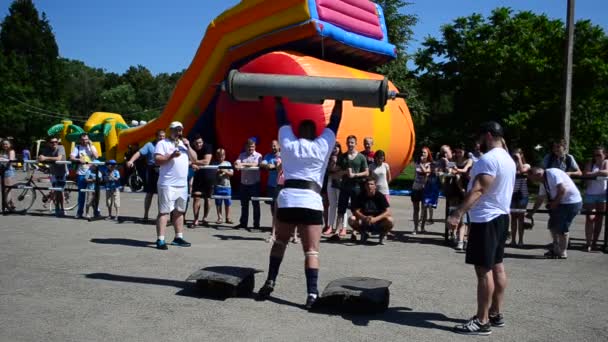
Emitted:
<point x="300" y="216"/>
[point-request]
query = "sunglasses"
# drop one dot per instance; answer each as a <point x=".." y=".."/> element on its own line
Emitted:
<point x="54" y="142"/>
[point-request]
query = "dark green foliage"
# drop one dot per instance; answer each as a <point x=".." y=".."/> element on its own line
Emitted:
<point x="38" y="88"/>
<point x="508" y="67"/>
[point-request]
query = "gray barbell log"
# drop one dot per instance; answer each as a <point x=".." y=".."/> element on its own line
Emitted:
<point x="308" y="89"/>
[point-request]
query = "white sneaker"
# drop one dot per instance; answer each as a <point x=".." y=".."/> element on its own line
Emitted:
<point x="459" y="246"/>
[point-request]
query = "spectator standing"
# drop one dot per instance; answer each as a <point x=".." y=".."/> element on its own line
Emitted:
<point x="423" y="170"/>
<point x="203" y="180"/>
<point x="520" y="197"/>
<point x="355" y="168"/>
<point x="334" y="183"/>
<point x="54" y="153"/>
<point x="430" y="195"/>
<point x="368" y="153"/>
<point x="248" y="163"/>
<point x="381" y="173"/>
<point x="7" y="154"/>
<point x="151" y="174"/>
<point x="558" y="158"/>
<point x="26" y="156"/>
<point x="462" y="166"/>
<point x="595" y="197"/>
<point x="222" y="185"/>
<point x="92" y="176"/>
<point x="173" y="155"/>
<point x="270" y="164"/>
<point x="83" y="153"/>
<point x="113" y="189"/>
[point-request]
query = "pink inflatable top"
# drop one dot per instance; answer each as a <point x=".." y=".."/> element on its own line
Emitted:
<point x="358" y="16"/>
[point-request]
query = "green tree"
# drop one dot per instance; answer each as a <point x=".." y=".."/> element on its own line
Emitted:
<point x="120" y="99"/>
<point x="30" y="77"/>
<point x="508" y="67"/>
<point x="83" y="86"/>
<point x="399" y="25"/>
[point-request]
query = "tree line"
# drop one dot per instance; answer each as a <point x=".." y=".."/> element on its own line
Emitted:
<point x="506" y="66"/>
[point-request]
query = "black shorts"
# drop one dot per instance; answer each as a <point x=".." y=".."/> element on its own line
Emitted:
<point x="300" y="216"/>
<point x="486" y="246"/>
<point x="416" y="195"/>
<point x="202" y="184"/>
<point x="151" y="184"/>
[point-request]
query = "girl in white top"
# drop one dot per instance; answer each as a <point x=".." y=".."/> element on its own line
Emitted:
<point x="381" y="172"/>
<point x="299" y="204"/>
<point x="595" y="197"/>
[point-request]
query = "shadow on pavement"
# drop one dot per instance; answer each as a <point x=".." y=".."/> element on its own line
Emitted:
<point x="124" y="242"/>
<point x="405" y="316"/>
<point x="524" y="256"/>
<point x="187" y="289"/>
<point x="237" y="237"/>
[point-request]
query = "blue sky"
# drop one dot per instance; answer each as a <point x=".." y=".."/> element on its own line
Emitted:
<point x="163" y="35"/>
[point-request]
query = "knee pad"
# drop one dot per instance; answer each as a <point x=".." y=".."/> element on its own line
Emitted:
<point x="313" y="254"/>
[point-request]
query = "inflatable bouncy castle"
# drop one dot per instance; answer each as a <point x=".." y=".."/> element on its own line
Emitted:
<point x="333" y="38"/>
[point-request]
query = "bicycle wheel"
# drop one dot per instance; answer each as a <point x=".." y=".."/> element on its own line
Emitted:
<point x="70" y="195"/>
<point x="22" y="197"/>
<point x="135" y="182"/>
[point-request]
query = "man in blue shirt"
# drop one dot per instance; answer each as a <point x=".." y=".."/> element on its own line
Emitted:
<point x="151" y="178"/>
<point x="270" y="163"/>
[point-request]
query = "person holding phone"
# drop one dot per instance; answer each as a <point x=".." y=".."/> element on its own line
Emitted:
<point x="83" y="153"/>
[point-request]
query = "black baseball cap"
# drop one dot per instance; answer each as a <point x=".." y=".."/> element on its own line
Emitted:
<point x="491" y="127"/>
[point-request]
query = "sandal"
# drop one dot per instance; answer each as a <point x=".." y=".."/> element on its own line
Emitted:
<point x="229" y="221"/>
<point x="219" y="221"/>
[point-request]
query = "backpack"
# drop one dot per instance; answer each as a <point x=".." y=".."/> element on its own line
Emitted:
<point x="553" y="158"/>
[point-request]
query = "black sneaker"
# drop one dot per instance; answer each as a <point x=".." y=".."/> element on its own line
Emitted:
<point x="240" y="226"/>
<point x="473" y="327"/>
<point x="364" y="237"/>
<point x="180" y="242"/>
<point x="497" y="320"/>
<point x="160" y="244"/>
<point x="266" y="290"/>
<point x="310" y="301"/>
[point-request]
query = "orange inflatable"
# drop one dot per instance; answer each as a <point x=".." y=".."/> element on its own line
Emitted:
<point x="236" y="121"/>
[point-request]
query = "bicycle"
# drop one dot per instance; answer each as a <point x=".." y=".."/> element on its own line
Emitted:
<point x="24" y="194"/>
<point x="134" y="181"/>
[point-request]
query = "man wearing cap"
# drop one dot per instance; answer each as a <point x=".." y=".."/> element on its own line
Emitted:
<point x="172" y="155"/>
<point x="151" y="177"/>
<point x="487" y="201"/>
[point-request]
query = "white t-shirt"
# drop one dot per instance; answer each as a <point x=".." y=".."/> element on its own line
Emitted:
<point x="175" y="171"/>
<point x="497" y="200"/>
<point x="556" y="177"/>
<point x="304" y="160"/>
<point x="85" y="155"/>
<point x="379" y="173"/>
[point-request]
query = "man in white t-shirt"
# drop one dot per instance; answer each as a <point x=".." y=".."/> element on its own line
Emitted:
<point x="488" y="202"/>
<point x="299" y="204"/>
<point x="83" y="153"/>
<point x="565" y="202"/>
<point x="172" y="155"/>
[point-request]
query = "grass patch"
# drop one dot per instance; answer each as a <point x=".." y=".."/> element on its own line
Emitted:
<point x="405" y="179"/>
